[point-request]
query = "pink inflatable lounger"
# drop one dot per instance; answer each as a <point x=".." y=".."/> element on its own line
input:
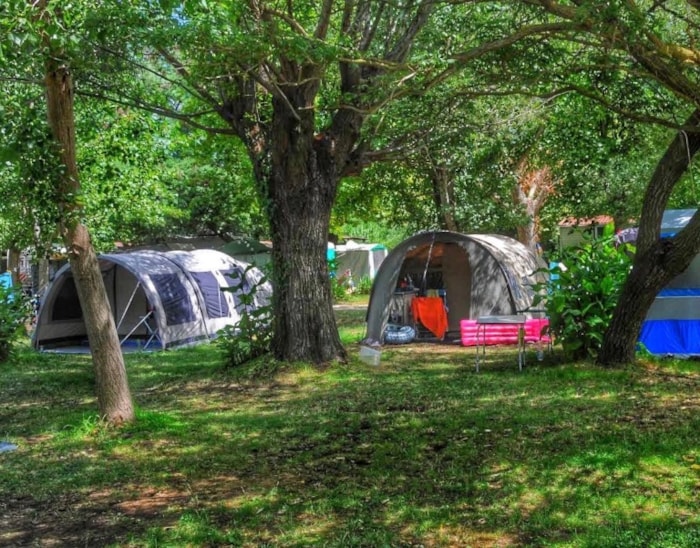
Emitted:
<point x="535" y="331"/>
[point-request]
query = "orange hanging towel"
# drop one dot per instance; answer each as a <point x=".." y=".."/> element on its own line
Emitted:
<point x="430" y="311"/>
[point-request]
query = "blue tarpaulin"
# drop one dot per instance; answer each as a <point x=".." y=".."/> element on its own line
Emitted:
<point x="677" y="337"/>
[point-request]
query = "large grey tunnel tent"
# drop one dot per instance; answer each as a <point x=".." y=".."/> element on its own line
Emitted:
<point x="476" y="274"/>
<point x="158" y="299"/>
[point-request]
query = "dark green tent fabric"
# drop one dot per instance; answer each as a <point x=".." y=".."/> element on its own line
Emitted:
<point x="248" y="250"/>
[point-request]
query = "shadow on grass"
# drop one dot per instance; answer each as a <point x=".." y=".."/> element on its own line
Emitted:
<point x="420" y="450"/>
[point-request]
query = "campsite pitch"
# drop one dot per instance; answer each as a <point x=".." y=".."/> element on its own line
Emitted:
<point x="421" y="451"/>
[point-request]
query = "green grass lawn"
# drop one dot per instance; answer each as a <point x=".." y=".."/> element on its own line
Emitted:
<point x="419" y="451"/>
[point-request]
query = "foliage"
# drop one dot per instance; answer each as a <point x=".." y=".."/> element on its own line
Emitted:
<point x="251" y="336"/>
<point x="339" y="290"/>
<point x="29" y="170"/>
<point x="364" y="286"/>
<point x="15" y="311"/>
<point x="212" y="178"/>
<point x="373" y="226"/>
<point x="585" y="282"/>
<point x="128" y="195"/>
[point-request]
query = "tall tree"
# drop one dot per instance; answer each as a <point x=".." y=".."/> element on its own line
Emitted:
<point x="295" y="82"/>
<point x="43" y="22"/>
<point x="653" y="42"/>
<point x="113" y="396"/>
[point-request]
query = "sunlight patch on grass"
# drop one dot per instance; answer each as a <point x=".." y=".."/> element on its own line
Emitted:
<point x="421" y="450"/>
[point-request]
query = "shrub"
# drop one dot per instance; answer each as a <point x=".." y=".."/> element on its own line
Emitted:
<point x="364" y="286"/>
<point x="14" y="313"/>
<point x="582" y="294"/>
<point x="252" y="335"/>
<point x="339" y="290"/>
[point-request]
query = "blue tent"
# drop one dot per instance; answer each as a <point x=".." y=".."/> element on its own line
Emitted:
<point x="672" y="325"/>
<point x="6" y="282"/>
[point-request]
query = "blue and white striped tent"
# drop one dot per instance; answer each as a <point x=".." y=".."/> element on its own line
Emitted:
<point x="672" y="325"/>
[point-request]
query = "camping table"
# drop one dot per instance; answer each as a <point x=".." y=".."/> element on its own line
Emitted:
<point x="483" y="321"/>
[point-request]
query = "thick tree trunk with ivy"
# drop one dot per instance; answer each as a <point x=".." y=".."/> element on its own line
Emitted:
<point x="656" y="261"/>
<point x="302" y="179"/>
<point x="113" y="396"/>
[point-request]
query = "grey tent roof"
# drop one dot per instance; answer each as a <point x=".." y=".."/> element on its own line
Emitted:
<point x="163" y="299"/>
<point x="497" y="279"/>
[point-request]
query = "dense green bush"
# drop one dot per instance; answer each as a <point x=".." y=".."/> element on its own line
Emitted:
<point x="582" y="294"/>
<point x="14" y="313"/>
<point x="252" y="335"/>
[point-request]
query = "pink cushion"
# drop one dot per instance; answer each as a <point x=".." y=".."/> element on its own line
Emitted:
<point x="536" y="330"/>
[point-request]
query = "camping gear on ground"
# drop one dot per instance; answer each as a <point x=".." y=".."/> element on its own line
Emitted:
<point x="158" y="299"/>
<point x="475" y="275"/>
<point x="370" y="355"/>
<point x="399" y="334"/>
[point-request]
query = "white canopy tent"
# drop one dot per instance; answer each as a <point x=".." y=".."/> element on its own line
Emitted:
<point x="362" y="260"/>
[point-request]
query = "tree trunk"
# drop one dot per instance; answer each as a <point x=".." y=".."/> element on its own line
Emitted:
<point x="113" y="396"/>
<point x="13" y="258"/>
<point x="301" y="190"/>
<point x="644" y="282"/>
<point x="656" y="261"/>
<point x="533" y="188"/>
<point x="443" y="196"/>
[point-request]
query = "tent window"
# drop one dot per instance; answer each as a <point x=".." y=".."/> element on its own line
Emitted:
<point x="67" y="306"/>
<point x="214" y="299"/>
<point x="173" y="295"/>
<point x="236" y="278"/>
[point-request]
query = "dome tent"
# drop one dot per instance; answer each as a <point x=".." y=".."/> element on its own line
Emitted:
<point x="477" y="275"/>
<point x="158" y="299"/>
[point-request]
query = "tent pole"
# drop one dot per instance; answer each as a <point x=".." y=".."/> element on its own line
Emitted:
<point x="427" y="264"/>
<point x="128" y="305"/>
